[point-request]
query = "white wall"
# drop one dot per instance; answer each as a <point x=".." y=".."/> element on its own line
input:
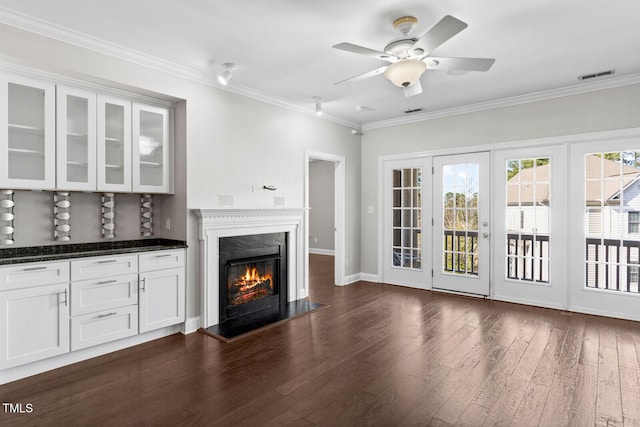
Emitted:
<point x="609" y="109"/>
<point x="232" y="142"/>
<point x="322" y="205"/>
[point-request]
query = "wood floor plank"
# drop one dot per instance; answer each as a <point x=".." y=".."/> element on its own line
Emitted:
<point x="630" y="390"/>
<point x="531" y="406"/>
<point x="546" y="368"/>
<point x="590" y="344"/>
<point x="609" y="403"/>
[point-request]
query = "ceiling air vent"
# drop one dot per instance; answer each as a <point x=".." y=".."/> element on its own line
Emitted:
<point x="594" y="75"/>
<point x="415" y="110"/>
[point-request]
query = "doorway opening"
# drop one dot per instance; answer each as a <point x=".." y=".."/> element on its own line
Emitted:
<point x="325" y="195"/>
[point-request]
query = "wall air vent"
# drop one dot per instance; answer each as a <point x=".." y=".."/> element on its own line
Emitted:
<point x="415" y="110"/>
<point x="594" y="75"/>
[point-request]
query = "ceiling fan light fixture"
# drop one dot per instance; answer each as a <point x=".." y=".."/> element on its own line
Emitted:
<point x="405" y="73"/>
<point x="227" y="73"/>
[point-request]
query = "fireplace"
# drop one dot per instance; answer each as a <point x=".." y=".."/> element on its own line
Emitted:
<point x="218" y="224"/>
<point x="253" y="274"/>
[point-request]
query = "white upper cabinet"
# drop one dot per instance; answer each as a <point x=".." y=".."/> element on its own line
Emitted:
<point x="27" y="133"/>
<point x="76" y="139"/>
<point x="152" y="150"/>
<point x="114" y="144"/>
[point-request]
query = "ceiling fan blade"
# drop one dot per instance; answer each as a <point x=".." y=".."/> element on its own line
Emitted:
<point x="353" y="48"/>
<point x="446" y="28"/>
<point x="459" y="64"/>
<point x="362" y="76"/>
<point x="414" y="89"/>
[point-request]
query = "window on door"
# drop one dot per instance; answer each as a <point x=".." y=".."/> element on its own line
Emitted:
<point x="460" y="218"/>
<point x="527" y="213"/>
<point x="612" y="219"/>
<point x="407" y="218"/>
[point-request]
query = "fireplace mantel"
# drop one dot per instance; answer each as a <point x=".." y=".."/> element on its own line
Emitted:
<point x="216" y="223"/>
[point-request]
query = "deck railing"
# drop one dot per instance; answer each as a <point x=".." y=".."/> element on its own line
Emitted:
<point x="612" y="264"/>
<point x="460" y="252"/>
<point x="528" y="257"/>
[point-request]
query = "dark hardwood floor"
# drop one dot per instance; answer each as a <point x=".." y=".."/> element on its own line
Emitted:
<point x="379" y="355"/>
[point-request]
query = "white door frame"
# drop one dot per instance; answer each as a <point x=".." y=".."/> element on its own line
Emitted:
<point x="339" y="214"/>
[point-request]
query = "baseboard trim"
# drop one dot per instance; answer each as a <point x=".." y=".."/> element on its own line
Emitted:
<point x="528" y="302"/>
<point x="316" y="251"/>
<point x="191" y="325"/>
<point x="602" y="313"/>
<point x="367" y="277"/>
<point x="352" y="278"/>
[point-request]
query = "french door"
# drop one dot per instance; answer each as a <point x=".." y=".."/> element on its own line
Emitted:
<point x="530" y="226"/>
<point x="406" y="253"/>
<point x="461" y="206"/>
<point x="605" y="235"/>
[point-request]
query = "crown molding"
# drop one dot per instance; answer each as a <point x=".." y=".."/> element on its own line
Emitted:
<point x="66" y="35"/>
<point x="577" y="89"/>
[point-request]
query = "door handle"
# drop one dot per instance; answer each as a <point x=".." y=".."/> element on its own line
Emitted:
<point x="143" y="281"/>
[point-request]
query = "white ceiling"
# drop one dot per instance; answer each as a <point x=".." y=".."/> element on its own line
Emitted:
<point x="283" y="47"/>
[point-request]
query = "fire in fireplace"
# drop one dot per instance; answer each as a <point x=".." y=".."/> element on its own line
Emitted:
<point x="253" y="274"/>
<point x="256" y="283"/>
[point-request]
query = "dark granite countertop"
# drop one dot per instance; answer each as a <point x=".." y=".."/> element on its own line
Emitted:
<point x="83" y="250"/>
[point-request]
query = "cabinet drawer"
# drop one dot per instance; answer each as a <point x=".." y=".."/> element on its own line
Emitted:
<point x="103" y="294"/>
<point x="33" y="274"/>
<point x="161" y="260"/>
<point x="97" y="328"/>
<point x="95" y="268"/>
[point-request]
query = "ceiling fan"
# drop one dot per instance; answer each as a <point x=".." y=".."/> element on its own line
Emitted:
<point x="409" y="57"/>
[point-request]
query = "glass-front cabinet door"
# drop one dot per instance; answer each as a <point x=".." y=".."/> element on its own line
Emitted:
<point x="76" y="156"/>
<point x="27" y="128"/>
<point x="114" y="144"/>
<point x="151" y="150"/>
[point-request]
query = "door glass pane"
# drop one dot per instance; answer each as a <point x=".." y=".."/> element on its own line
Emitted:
<point x="151" y="145"/>
<point x="114" y="144"/>
<point x="407" y="218"/>
<point x="460" y="218"/>
<point x="612" y="220"/>
<point x="528" y="202"/>
<point x="26" y="132"/>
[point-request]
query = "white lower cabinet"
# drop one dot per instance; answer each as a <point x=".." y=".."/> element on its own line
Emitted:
<point x="35" y="324"/>
<point x="161" y="298"/>
<point x="48" y="309"/>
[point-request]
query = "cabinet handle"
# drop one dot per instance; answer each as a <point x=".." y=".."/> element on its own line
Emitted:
<point x="106" y="281"/>
<point x="163" y="256"/>
<point x="65" y="298"/>
<point x="107" y="261"/>
<point x="107" y="315"/>
<point x="144" y="284"/>
<point x="34" y="268"/>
